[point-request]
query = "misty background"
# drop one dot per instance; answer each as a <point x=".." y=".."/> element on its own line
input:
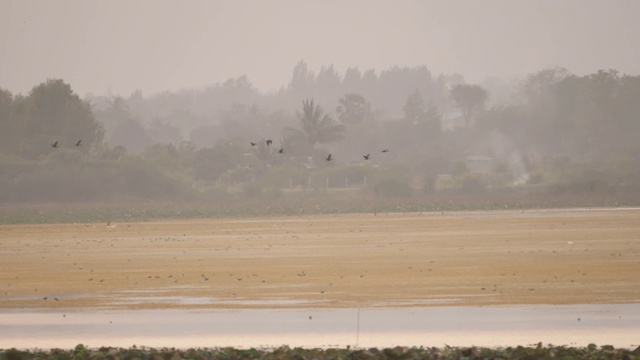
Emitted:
<point x="118" y="47"/>
<point x="415" y="101"/>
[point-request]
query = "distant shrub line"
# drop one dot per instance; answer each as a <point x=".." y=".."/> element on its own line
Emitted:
<point x="311" y="204"/>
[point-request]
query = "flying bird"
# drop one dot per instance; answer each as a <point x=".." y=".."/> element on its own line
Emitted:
<point x="79" y="142"/>
<point x="55" y="144"/>
<point x="366" y="157"/>
<point x="385" y="150"/>
<point x="329" y="157"/>
<point x="269" y="142"/>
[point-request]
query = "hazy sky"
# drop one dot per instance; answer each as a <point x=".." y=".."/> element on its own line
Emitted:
<point x="117" y="46"/>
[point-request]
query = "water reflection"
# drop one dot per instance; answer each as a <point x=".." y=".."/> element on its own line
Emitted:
<point x="578" y="325"/>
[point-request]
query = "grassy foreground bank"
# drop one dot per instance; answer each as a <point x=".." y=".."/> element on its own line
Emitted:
<point x="80" y="352"/>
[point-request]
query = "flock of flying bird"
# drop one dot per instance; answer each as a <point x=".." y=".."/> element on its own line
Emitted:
<point x="328" y="158"/>
<point x="269" y="142"/>
<point x="55" y="144"/>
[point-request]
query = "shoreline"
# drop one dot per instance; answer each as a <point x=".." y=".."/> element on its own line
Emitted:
<point x="441" y="327"/>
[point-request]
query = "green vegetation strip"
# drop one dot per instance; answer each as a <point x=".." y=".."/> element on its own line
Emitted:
<point x="287" y="206"/>
<point x="80" y="352"/>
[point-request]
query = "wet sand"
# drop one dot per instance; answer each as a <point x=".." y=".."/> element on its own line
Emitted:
<point x="576" y="256"/>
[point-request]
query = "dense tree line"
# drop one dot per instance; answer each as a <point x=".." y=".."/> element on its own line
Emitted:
<point x="402" y="133"/>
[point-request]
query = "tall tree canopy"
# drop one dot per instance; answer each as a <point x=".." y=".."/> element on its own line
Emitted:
<point x="318" y="127"/>
<point x="8" y="136"/>
<point x="51" y="112"/>
<point x="470" y="99"/>
<point x="353" y="109"/>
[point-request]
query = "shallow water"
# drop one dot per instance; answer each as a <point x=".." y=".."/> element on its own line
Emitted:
<point x="493" y="326"/>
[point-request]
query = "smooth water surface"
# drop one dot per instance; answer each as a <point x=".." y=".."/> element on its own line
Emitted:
<point x="493" y="326"/>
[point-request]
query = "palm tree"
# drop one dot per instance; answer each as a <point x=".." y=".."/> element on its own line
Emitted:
<point x="317" y="127"/>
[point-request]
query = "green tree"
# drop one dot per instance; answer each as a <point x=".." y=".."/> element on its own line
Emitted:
<point x="591" y="115"/>
<point x="9" y="134"/>
<point x="353" y="109"/>
<point x="540" y="84"/>
<point x="544" y="129"/>
<point x="470" y="99"/>
<point x="294" y="143"/>
<point x="414" y="109"/>
<point x="422" y="120"/>
<point x="132" y="135"/>
<point x="52" y="112"/>
<point x="5" y="105"/>
<point x="589" y="119"/>
<point x="240" y="121"/>
<point x="116" y="113"/>
<point x="351" y="79"/>
<point x="122" y="128"/>
<point x="317" y="127"/>
<point x="630" y="116"/>
<point x="210" y="163"/>
<point x="162" y="132"/>
<point x="302" y="79"/>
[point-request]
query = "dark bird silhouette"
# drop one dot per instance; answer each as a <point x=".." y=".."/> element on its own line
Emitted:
<point x="253" y="144"/>
<point x="329" y="157"/>
<point x="281" y="151"/>
<point x="366" y="157"/>
<point x="79" y="143"/>
<point x="269" y="142"/>
<point x="55" y="144"/>
<point x="385" y="150"/>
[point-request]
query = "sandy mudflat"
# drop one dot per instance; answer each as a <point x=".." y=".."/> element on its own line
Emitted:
<point x="459" y="258"/>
